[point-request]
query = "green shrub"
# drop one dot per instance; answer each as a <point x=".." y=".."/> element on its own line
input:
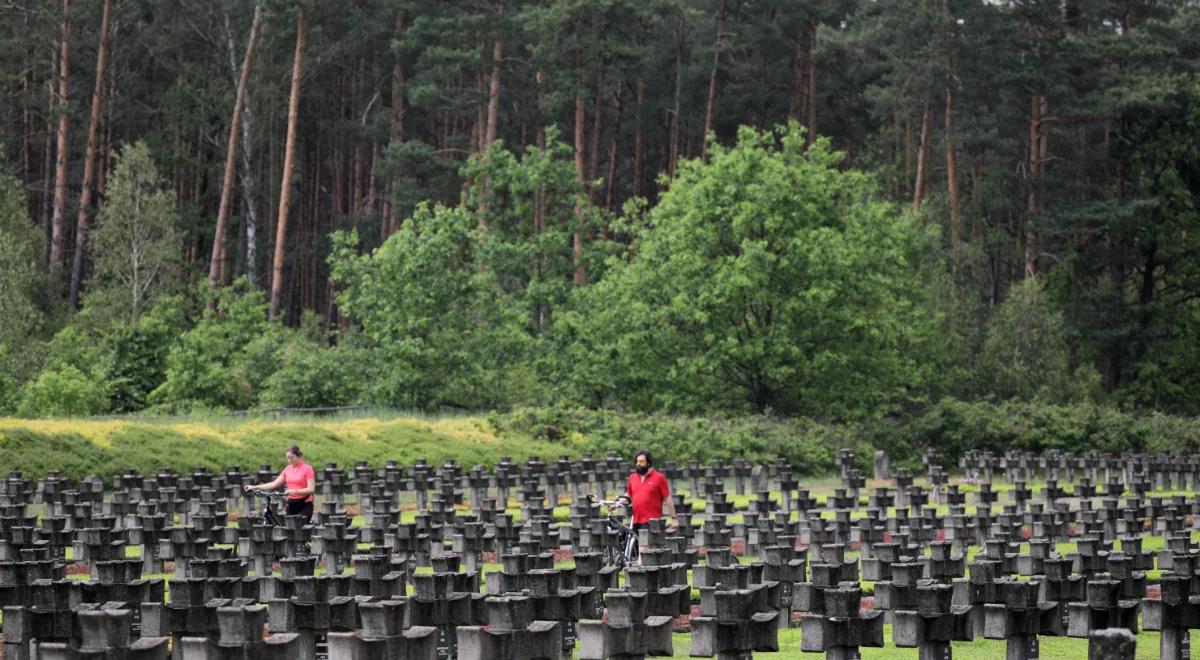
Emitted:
<point x="809" y="446"/>
<point x="8" y="388"/>
<point x="225" y="359"/>
<point x="954" y="427"/>
<point x="63" y="392"/>
<point x="951" y="428"/>
<point x="313" y="376"/>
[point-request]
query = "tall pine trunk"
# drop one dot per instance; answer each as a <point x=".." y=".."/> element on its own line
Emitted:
<point x="611" y="179"/>
<point x="673" y="148"/>
<point x="368" y="208"/>
<point x="86" y="197"/>
<point x="223" y="210"/>
<point x="638" y="140"/>
<point x="712" y="81"/>
<point x="28" y="132"/>
<point x="952" y="167"/>
<point x="289" y="157"/>
<point x="597" y="128"/>
<point x="48" y="160"/>
<point x="811" y="80"/>
<point x="580" y="277"/>
<point x="249" y="197"/>
<point x="391" y="219"/>
<point x="922" y="159"/>
<point x="951" y="147"/>
<point x="1035" y="166"/>
<point x="57" y="233"/>
<point x="493" y="108"/>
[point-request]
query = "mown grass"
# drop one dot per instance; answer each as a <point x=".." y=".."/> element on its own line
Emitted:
<point x="1053" y="648"/>
<point x="78" y="448"/>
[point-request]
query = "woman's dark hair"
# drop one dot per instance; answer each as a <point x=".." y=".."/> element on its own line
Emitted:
<point x="649" y="458"/>
<point x="294" y="450"/>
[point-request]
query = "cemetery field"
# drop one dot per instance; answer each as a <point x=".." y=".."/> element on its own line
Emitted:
<point x="429" y="516"/>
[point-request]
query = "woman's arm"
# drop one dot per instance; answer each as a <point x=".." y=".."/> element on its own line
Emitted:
<point x="268" y="486"/>
<point x="307" y="490"/>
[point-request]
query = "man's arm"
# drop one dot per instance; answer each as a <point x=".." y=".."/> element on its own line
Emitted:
<point x="672" y="517"/>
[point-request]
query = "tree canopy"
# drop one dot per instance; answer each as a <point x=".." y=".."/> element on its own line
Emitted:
<point x="840" y="208"/>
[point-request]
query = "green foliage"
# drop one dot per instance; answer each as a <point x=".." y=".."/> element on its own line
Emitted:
<point x="140" y="351"/>
<point x="1160" y="317"/>
<point x="8" y="388"/>
<point x="809" y="446"/>
<point x="530" y="205"/>
<point x="135" y="244"/>
<point x="313" y="376"/>
<point x="950" y="427"/>
<point x="225" y="359"/>
<point x="457" y="302"/>
<point x="766" y="279"/>
<point x="62" y="392"/>
<point x="25" y="290"/>
<point x="953" y="427"/>
<point x="78" y="347"/>
<point x="1025" y="353"/>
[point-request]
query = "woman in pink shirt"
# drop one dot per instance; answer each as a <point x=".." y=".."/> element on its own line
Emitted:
<point x="300" y="481"/>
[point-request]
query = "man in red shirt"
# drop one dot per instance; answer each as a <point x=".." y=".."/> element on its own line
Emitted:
<point x="647" y="490"/>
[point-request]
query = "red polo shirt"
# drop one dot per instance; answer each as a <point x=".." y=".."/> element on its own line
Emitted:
<point x="648" y="495"/>
<point x="297" y="477"/>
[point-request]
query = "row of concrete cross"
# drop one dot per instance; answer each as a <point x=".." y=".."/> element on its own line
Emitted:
<point x="754" y="554"/>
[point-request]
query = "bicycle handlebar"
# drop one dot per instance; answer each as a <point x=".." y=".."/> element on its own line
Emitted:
<point x="609" y="504"/>
<point x="274" y="494"/>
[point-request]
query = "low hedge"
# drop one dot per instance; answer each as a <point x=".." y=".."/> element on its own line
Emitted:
<point x="954" y="427"/>
<point x="78" y="448"/>
<point x="810" y="446"/>
<point x="950" y="427"/>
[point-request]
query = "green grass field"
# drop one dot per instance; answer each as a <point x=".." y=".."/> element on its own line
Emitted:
<point x="1053" y="648"/>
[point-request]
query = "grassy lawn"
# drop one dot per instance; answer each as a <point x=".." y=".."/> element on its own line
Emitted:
<point x="1053" y="648"/>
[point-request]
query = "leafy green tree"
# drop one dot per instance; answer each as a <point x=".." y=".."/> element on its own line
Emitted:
<point x="1155" y="309"/>
<point x="444" y="332"/>
<point x="767" y="279"/>
<point x="528" y="205"/>
<point x="136" y="243"/>
<point x="1025" y="352"/>
<point x="25" y="289"/>
<point x="8" y="388"/>
<point x="139" y="351"/>
<point x="225" y="359"/>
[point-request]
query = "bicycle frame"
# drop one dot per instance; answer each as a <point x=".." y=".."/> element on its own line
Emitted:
<point x="627" y="555"/>
<point x="269" y="515"/>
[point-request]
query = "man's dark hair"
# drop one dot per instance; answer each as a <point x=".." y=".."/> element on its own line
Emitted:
<point x="649" y="458"/>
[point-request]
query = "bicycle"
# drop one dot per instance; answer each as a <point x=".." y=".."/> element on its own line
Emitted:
<point x="626" y="553"/>
<point x="270" y="516"/>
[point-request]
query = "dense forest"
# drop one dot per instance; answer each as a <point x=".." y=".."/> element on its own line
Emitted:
<point x="841" y="209"/>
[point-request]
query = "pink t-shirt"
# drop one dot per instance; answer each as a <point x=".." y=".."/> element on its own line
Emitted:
<point x="297" y="477"/>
